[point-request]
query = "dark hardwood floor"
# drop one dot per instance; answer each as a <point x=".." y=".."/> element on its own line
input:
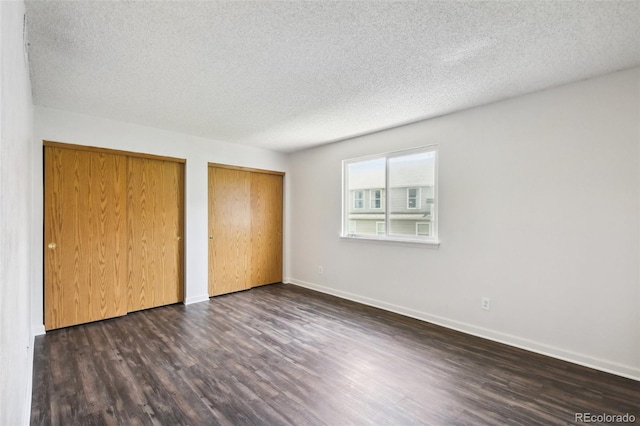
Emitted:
<point x="281" y="354"/>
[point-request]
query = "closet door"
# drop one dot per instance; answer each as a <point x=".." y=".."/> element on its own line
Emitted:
<point x="154" y="217"/>
<point x="229" y="230"/>
<point x="266" y="228"/>
<point x="85" y="236"/>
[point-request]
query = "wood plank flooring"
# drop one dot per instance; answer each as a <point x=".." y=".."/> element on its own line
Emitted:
<point x="284" y="355"/>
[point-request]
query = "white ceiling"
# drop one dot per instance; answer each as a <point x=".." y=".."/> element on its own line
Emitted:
<point x="287" y="75"/>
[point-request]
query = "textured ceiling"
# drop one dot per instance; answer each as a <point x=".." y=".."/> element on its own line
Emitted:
<point x="287" y="75"/>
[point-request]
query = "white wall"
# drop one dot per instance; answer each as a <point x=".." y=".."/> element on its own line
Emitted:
<point x="60" y="126"/>
<point x="539" y="210"/>
<point x="16" y="113"/>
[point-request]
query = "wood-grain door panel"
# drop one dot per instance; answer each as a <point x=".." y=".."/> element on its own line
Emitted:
<point x="85" y="260"/>
<point x="108" y="235"/>
<point x="154" y="215"/>
<point x="172" y="202"/>
<point x="229" y="230"/>
<point x="266" y="229"/>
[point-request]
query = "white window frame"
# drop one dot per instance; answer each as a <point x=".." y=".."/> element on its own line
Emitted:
<point x="418" y="195"/>
<point x="372" y="199"/>
<point x="360" y="191"/>
<point x="384" y="228"/>
<point x="347" y="201"/>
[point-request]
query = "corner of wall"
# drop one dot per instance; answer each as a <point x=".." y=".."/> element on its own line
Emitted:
<point x="38" y="330"/>
<point x="29" y="391"/>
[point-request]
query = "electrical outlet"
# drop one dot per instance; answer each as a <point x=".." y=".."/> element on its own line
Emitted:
<point x="320" y="270"/>
<point x="485" y="303"/>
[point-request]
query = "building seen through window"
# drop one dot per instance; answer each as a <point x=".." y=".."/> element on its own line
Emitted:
<point x="392" y="195"/>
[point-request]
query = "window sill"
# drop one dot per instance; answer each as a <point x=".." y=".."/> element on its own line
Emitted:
<point x="392" y="241"/>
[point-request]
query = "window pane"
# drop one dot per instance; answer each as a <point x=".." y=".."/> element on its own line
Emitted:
<point x="358" y="199"/>
<point x="365" y="178"/>
<point x="376" y="198"/>
<point x="412" y="198"/>
<point x="411" y="194"/>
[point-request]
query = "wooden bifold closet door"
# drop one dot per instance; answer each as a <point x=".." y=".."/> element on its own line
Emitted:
<point x="113" y="233"/>
<point x="154" y="220"/>
<point x="266" y="229"/>
<point x="229" y="233"/>
<point x="85" y="238"/>
<point x="245" y="228"/>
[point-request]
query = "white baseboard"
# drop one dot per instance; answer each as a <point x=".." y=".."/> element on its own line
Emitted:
<point x="38" y="330"/>
<point x="485" y="333"/>
<point x="196" y="299"/>
<point x="26" y="416"/>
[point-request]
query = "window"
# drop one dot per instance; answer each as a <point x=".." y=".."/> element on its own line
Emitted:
<point x="358" y="199"/>
<point x="402" y="196"/>
<point x="413" y="199"/>
<point x="376" y="198"/>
